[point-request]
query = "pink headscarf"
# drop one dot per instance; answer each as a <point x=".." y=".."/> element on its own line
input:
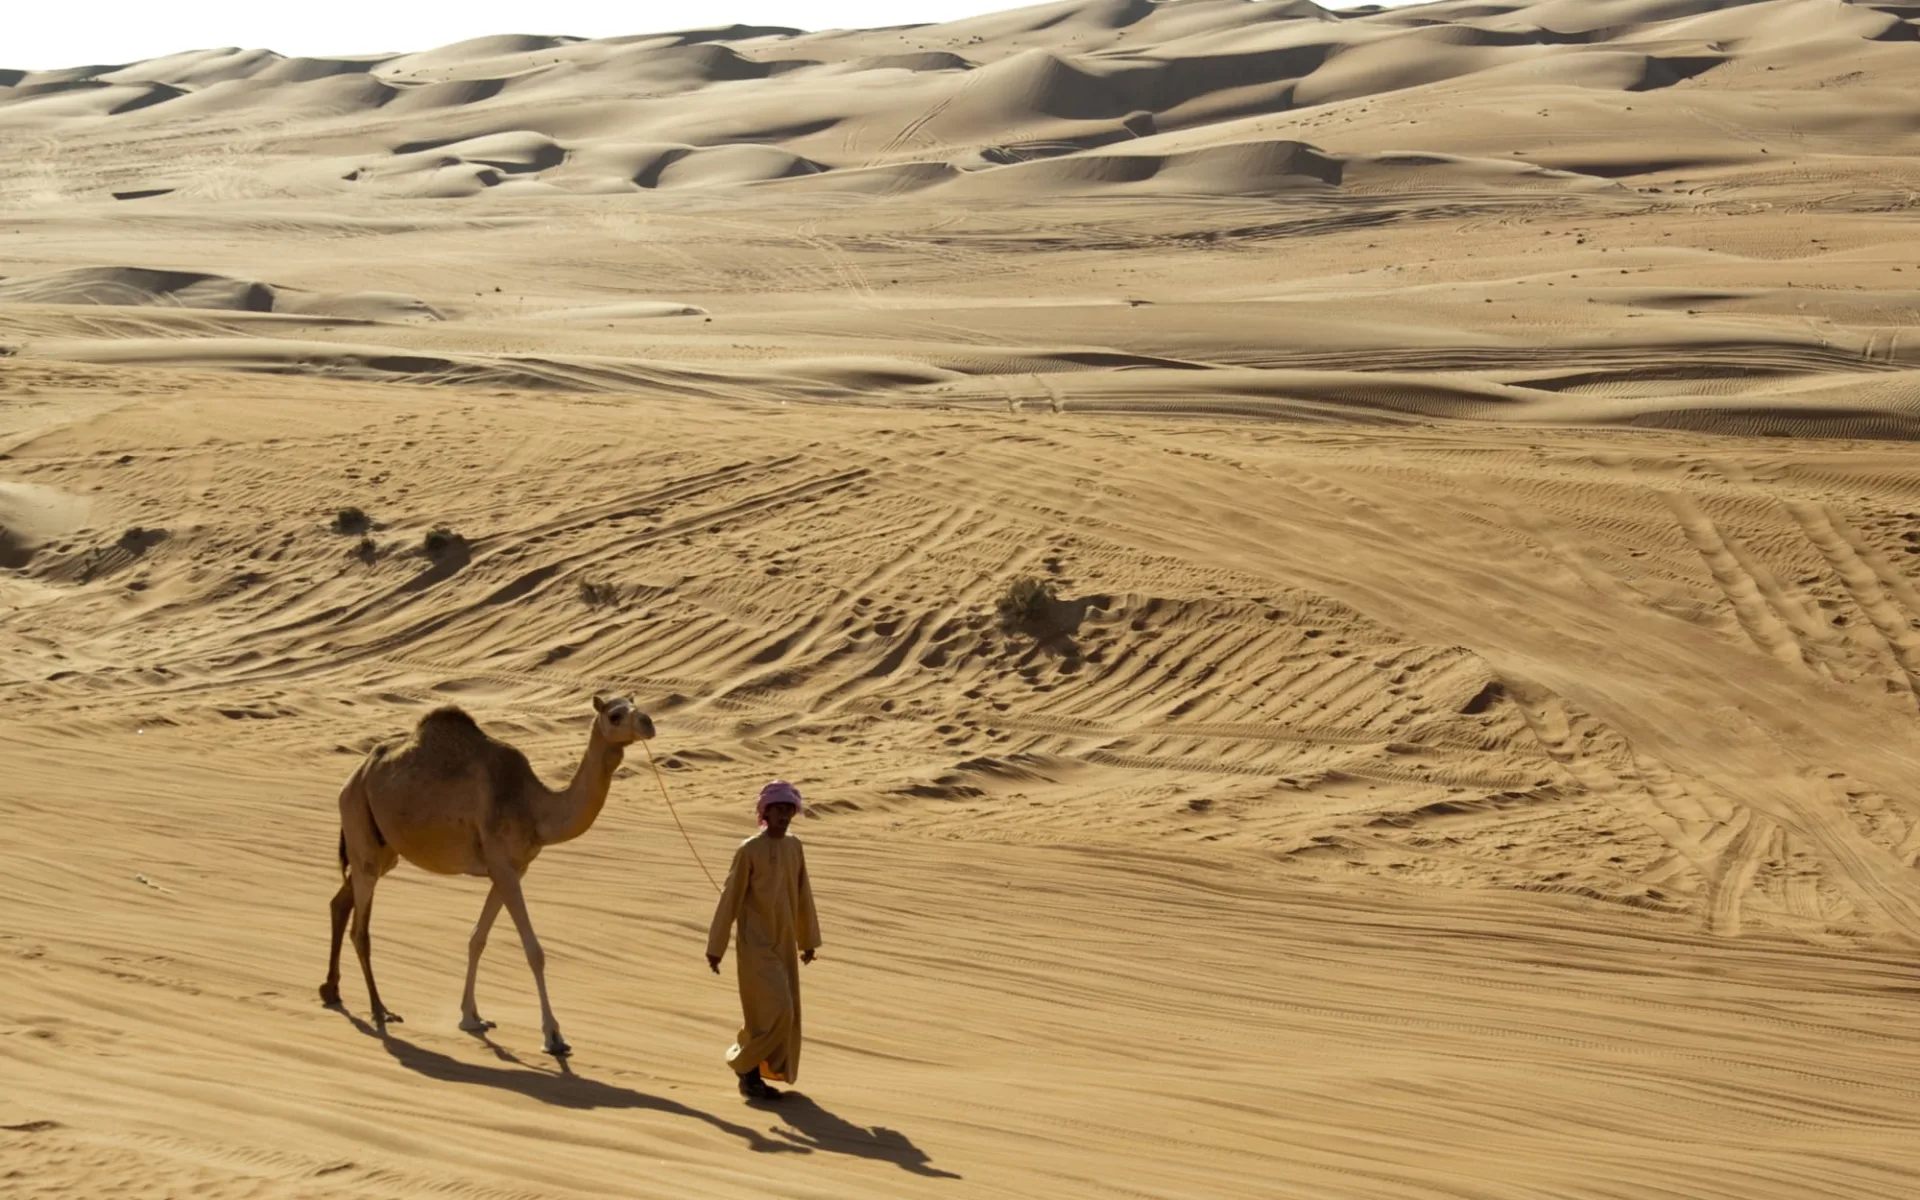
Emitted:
<point x="777" y="792"/>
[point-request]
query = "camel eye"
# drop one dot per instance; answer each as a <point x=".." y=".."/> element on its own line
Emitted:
<point x="617" y="713"/>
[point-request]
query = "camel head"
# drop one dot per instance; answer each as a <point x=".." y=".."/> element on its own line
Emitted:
<point x="620" y="721"/>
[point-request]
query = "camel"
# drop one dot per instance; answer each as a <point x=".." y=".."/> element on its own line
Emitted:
<point x="452" y="800"/>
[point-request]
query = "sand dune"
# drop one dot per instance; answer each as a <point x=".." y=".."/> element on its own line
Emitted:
<point x="1468" y="752"/>
<point x="33" y="516"/>
<point x="131" y="287"/>
<point x="127" y="286"/>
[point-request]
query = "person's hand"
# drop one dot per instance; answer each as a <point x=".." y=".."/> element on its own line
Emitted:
<point x="713" y="961"/>
<point x="806" y="956"/>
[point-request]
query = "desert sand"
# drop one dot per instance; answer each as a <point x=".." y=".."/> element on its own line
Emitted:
<point x="1475" y="755"/>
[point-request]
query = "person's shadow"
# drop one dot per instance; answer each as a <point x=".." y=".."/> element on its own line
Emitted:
<point x="814" y="1128"/>
<point x="559" y="1087"/>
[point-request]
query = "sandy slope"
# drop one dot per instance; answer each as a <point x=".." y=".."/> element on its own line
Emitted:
<point x="1476" y="760"/>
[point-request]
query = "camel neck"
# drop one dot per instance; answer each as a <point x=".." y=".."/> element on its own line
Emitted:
<point x="572" y="812"/>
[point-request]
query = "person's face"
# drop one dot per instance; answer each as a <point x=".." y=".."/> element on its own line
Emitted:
<point x="779" y="816"/>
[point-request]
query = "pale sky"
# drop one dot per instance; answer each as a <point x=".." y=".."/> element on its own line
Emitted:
<point x="65" y="33"/>
<point x="62" y="33"/>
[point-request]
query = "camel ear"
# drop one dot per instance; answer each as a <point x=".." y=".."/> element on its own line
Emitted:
<point x="599" y="704"/>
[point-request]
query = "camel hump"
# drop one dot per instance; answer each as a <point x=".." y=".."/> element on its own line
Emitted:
<point x="451" y="741"/>
<point x="448" y="719"/>
<point x="452" y="729"/>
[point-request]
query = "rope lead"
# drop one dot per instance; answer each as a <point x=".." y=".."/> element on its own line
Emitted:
<point x="658" y="779"/>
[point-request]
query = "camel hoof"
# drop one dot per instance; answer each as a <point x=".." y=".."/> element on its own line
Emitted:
<point x="475" y="1025"/>
<point x="330" y="995"/>
<point x="557" y="1046"/>
<point x="389" y="1018"/>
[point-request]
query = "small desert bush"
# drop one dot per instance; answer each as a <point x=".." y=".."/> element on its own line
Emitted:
<point x="1027" y="605"/>
<point x="598" y="593"/>
<point x="367" y="550"/>
<point x="139" y="540"/>
<point x="351" y="520"/>
<point x="440" y="542"/>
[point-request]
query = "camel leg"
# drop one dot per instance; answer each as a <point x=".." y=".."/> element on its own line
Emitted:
<point x="507" y="884"/>
<point x="342" y="906"/>
<point x="363" y="882"/>
<point x="469" y="1013"/>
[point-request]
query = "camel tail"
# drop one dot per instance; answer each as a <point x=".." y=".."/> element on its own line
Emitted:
<point x="356" y="806"/>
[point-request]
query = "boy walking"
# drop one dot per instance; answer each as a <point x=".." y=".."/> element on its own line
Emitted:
<point x="768" y="899"/>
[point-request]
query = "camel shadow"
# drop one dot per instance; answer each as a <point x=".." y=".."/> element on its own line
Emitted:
<point x="560" y="1087"/>
<point x="814" y="1128"/>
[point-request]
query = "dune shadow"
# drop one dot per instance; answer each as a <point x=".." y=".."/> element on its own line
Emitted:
<point x="814" y="1128"/>
<point x="556" y="1086"/>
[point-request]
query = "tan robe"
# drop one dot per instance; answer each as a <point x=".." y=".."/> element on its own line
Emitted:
<point x="768" y="897"/>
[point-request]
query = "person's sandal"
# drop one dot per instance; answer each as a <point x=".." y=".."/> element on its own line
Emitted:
<point x="755" y="1088"/>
